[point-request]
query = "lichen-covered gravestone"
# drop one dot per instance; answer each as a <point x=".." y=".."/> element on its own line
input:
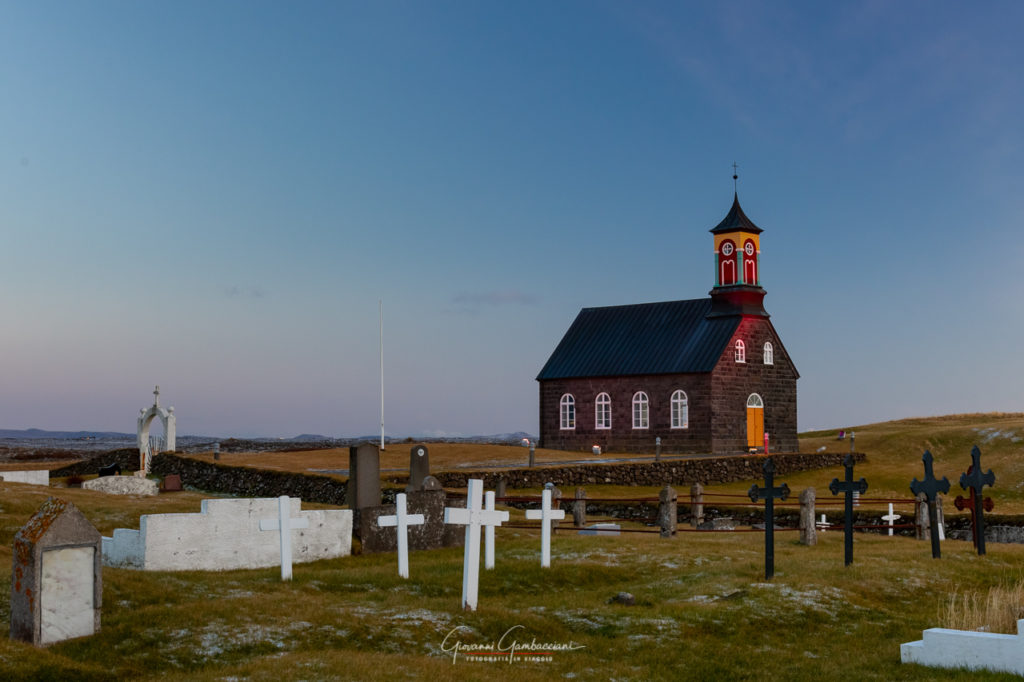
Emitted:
<point x="57" y="580"/>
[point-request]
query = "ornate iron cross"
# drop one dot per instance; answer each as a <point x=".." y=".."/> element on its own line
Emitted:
<point x="849" y="486"/>
<point x="930" y="487"/>
<point x="975" y="480"/>
<point x="769" y="494"/>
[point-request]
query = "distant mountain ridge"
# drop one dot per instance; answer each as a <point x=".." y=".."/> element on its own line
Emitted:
<point x="33" y="434"/>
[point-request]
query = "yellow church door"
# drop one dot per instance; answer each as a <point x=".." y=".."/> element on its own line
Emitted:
<point x="755" y="421"/>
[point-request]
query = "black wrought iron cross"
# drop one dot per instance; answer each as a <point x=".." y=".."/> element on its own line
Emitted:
<point x="849" y="486"/>
<point x="930" y="487"/>
<point x="975" y="480"/>
<point x="769" y="494"/>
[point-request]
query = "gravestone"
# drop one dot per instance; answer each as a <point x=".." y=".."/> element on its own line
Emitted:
<point x="32" y="477"/>
<point x="808" y="528"/>
<point x="849" y="487"/>
<point x="57" y="580"/>
<point x="769" y="493"/>
<point x="419" y="467"/>
<point x="363" y="488"/>
<point x="172" y="483"/>
<point x="601" y="529"/>
<point x="668" y="511"/>
<point x="975" y="480"/>
<point x="890" y="518"/>
<point x="432" y="534"/>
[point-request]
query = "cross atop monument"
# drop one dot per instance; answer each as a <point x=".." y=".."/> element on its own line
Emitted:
<point x="769" y="494"/>
<point x="975" y="480"/>
<point x="930" y="487"/>
<point x="156" y="396"/>
<point x="849" y="486"/>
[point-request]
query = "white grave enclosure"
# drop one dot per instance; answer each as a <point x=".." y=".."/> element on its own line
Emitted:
<point x="943" y="648"/>
<point x="225" y="535"/>
<point x="66" y="602"/>
<point x="37" y="477"/>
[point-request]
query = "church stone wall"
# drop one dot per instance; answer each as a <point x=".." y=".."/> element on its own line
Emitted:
<point x="622" y="437"/>
<point x="733" y="382"/>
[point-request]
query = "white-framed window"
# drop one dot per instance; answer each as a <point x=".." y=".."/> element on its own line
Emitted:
<point x="741" y="351"/>
<point x="641" y="410"/>
<point x="680" y="410"/>
<point x="755" y="401"/>
<point x="769" y="353"/>
<point x="603" y="411"/>
<point x="567" y="410"/>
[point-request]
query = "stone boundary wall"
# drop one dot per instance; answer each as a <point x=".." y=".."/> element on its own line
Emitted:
<point x="128" y="458"/>
<point x="703" y="470"/>
<point x="249" y="482"/>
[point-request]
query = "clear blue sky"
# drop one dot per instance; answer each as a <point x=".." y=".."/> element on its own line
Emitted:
<point x="213" y="196"/>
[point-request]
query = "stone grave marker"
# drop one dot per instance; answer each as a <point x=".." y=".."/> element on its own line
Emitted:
<point x="401" y="520"/>
<point x="472" y="517"/>
<point x="172" y="483"/>
<point x="363" y="488"/>
<point x="419" y="467"/>
<point x="432" y="534"/>
<point x="57" y="579"/>
<point x="284" y="524"/>
<point x="547" y="516"/>
<point x="123" y="485"/>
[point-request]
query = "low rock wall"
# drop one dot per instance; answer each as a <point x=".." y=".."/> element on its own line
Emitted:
<point x="703" y="470"/>
<point x="249" y="482"/>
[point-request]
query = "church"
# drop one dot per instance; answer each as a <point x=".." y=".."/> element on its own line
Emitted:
<point x="705" y="375"/>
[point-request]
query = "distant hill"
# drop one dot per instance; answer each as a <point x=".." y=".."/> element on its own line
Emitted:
<point x="76" y="435"/>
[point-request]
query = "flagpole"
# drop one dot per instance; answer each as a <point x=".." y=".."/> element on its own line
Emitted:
<point x="380" y="305"/>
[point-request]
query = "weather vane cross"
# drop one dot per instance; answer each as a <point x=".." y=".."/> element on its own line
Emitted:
<point x="735" y="175"/>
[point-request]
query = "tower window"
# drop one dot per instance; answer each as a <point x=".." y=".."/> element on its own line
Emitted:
<point x="727" y="263"/>
<point x="640" y="410"/>
<point x="741" y="351"/>
<point x="680" y="411"/>
<point x="749" y="262"/>
<point x="769" y="353"/>
<point x="603" y="411"/>
<point x="567" y="410"/>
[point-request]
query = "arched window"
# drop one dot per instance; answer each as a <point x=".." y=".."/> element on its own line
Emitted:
<point x="749" y="262"/>
<point x="769" y="353"/>
<point x="603" y="411"/>
<point x="727" y="263"/>
<point x="755" y="401"/>
<point x="568" y="412"/>
<point x="640" y="410"/>
<point x="680" y="411"/>
<point x="741" y="351"/>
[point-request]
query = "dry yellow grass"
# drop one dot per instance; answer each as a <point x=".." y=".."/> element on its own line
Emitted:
<point x="996" y="610"/>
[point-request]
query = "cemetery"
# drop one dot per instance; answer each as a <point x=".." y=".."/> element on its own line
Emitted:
<point x="642" y="581"/>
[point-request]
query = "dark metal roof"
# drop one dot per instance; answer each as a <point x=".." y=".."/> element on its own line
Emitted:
<point x="673" y="337"/>
<point x="736" y="219"/>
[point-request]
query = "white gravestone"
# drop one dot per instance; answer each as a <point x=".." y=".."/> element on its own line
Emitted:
<point x="284" y="524"/>
<point x="36" y="477"/>
<point x="890" y="517"/>
<point x="472" y="517"/>
<point x="67" y="599"/>
<point x="402" y="520"/>
<point x="546" y="515"/>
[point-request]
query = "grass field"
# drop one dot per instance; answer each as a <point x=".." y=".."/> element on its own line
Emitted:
<point x="702" y="612"/>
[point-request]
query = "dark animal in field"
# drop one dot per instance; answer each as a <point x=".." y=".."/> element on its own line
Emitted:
<point x="111" y="470"/>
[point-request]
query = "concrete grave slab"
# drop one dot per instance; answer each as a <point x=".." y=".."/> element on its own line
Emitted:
<point x="36" y="477"/>
<point x="122" y="485"/>
<point x="225" y="535"/>
<point x="57" y="578"/>
<point x="944" y="648"/>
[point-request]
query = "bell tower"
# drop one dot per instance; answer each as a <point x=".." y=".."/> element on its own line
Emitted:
<point x="737" y="265"/>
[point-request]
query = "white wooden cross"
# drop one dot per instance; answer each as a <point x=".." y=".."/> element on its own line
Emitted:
<point x="823" y="524"/>
<point x="401" y="520"/>
<point x="890" y="517"/>
<point x="546" y="515"/>
<point x="284" y="525"/>
<point x="489" y="532"/>
<point x="472" y="517"/>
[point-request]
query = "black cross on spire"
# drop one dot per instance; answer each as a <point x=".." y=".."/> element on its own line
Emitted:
<point x="849" y="486"/>
<point x="975" y="480"/>
<point x="735" y="175"/>
<point x="931" y="486"/>
<point x="769" y="494"/>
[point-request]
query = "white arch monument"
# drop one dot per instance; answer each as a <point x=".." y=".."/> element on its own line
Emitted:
<point x="146" y="417"/>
